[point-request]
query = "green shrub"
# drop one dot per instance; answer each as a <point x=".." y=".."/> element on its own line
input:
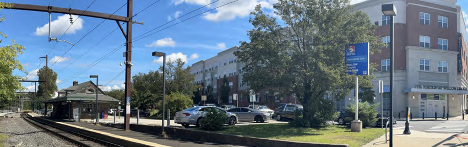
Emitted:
<point x="213" y="120"/>
<point x="367" y="113"/>
<point x="175" y="102"/>
<point x="315" y="114"/>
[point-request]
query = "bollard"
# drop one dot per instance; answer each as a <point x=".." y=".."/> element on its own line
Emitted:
<point x="168" y="117"/>
<point x="138" y="116"/>
<point x="114" y="117"/>
<point x="423" y="115"/>
<point x="399" y="117"/>
<point x="435" y="115"/>
<point x="411" y="116"/>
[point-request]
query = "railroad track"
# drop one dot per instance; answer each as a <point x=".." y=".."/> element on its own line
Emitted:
<point x="78" y="139"/>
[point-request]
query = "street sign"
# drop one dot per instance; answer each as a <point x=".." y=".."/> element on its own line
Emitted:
<point x="357" y="58"/>
<point x="203" y="97"/>
<point x="127" y="107"/>
<point x="252" y="98"/>
<point x="381" y="90"/>
<point x="234" y="97"/>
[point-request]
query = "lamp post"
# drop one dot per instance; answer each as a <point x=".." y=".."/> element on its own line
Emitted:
<point x="161" y="54"/>
<point x="96" y="91"/>
<point x="390" y="10"/>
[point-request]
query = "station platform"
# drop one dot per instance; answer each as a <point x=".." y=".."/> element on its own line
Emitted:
<point x="138" y="137"/>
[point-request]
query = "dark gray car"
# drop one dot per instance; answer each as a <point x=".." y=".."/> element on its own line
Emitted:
<point x="286" y="111"/>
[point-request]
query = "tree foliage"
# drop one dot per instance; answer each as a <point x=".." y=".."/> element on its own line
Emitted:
<point x="118" y="94"/>
<point x="50" y="76"/>
<point x="367" y="113"/>
<point x="9" y="61"/>
<point x="306" y="57"/>
<point x="175" y="102"/>
<point x="147" y="87"/>
<point x="366" y="94"/>
<point x="224" y="90"/>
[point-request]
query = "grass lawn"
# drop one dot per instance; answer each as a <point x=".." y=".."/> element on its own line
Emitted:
<point x="2" y="139"/>
<point x="331" y="134"/>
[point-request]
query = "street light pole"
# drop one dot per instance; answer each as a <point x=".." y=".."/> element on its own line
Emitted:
<point x="390" y="10"/>
<point x="96" y="91"/>
<point x="163" y="55"/>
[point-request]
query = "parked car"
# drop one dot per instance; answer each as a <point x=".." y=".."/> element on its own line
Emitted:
<point x="248" y="115"/>
<point x="211" y="105"/>
<point x="263" y="108"/>
<point x="253" y="106"/>
<point x="133" y="113"/>
<point x="193" y="115"/>
<point x="385" y="119"/>
<point x="227" y="107"/>
<point x="344" y="118"/>
<point x="287" y="111"/>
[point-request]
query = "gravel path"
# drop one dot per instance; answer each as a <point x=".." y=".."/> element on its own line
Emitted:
<point x="24" y="134"/>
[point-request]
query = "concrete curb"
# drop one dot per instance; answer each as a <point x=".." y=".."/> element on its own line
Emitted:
<point x="197" y="135"/>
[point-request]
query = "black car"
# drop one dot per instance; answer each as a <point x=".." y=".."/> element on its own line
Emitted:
<point x="344" y="118"/>
<point x="286" y="111"/>
<point x="133" y="113"/>
<point x="384" y="119"/>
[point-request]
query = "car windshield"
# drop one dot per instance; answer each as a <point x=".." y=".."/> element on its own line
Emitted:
<point x="263" y="107"/>
<point x="191" y="109"/>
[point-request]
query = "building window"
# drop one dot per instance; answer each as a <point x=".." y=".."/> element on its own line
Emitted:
<point x="216" y="65"/>
<point x="231" y="60"/>
<point x="424" y="64"/>
<point x="442" y="44"/>
<point x="386" y="65"/>
<point x="442" y="21"/>
<point x="225" y="62"/>
<point x="265" y="95"/>
<point x="424" y="18"/>
<point x="442" y="66"/>
<point x="385" y="20"/>
<point x="230" y="84"/>
<point x="386" y="40"/>
<point x="425" y="41"/>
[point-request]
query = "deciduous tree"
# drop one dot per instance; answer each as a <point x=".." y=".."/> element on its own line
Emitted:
<point x="305" y="56"/>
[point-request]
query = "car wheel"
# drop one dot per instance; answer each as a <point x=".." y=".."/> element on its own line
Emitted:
<point x="186" y="125"/>
<point x="341" y="121"/>
<point x="278" y="117"/>
<point x="258" y="119"/>
<point x="232" y="120"/>
<point x="199" y="121"/>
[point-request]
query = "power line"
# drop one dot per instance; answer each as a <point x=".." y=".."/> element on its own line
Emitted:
<point x="88" y="50"/>
<point x="146" y="8"/>
<point x="70" y="27"/>
<point x="121" y="72"/>
<point x="119" y="47"/>
<point x="179" y="18"/>
<point x="87" y="35"/>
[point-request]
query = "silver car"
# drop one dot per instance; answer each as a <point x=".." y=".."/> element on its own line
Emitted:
<point x="248" y="115"/>
<point x="192" y="116"/>
<point x="263" y="108"/>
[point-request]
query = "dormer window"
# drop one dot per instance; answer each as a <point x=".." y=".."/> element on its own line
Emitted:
<point x="90" y="91"/>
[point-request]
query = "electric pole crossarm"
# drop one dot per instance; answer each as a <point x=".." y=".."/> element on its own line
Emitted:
<point x="121" y="29"/>
<point x="67" y="11"/>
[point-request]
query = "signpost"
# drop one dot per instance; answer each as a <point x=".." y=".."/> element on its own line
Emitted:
<point x="203" y="98"/>
<point x="234" y="97"/>
<point x="381" y="91"/>
<point x="252" y="98"/>
<point x="357" y="61"/>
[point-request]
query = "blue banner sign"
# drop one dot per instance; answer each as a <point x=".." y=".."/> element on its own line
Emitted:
<point x="357" y="58"/>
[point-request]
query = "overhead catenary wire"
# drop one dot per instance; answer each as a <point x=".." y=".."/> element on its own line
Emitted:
<point x="84" y="53"/>
<point x="146" y="8"/>
<point x="115" y="77"/>
<point x="60" y="38"/>
<point x="86" y="35"/>
<point x="147" y="35"/>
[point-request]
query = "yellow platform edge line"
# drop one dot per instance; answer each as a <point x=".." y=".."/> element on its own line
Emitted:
<point x="116" y="136"/>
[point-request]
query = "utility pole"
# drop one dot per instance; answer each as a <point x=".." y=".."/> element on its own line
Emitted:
<point x="128" y="36"/>
<point x="128" y="68"/>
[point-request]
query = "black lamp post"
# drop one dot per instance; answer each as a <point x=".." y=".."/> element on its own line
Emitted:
<point x="161" y="54"/>
<point x="390" y="10"/>
<point x="96" y="91"/>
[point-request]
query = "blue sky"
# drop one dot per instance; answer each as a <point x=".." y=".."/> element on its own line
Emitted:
<point x="193" y="40"/>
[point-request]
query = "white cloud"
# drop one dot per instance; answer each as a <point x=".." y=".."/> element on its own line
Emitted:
<point x="32" y="74"/>
<point x="465" y="17"/>
<point x="60" y="25"/>
<point x="193" y="57"/>
<point x="59" y="59"/>
<point x="115" y="87"/>
<point x="122" y="86"/>
<point x="169" y="18"/>
<point x="172" y="57"/>
<point x="177" y="14"/>
<point x="218" y="46"/>
<point x="29" y="88"/>
<point x="105" y="88"/>
<point x="239" y="9"/>
<point x="58" y="81"/>
<point x="177" y="2"/>
<point x="221" y="45"/>
<point x="165" y="42"/>
<point x="197" y="2"/>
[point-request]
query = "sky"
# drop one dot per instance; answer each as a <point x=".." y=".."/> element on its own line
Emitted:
<point x="177" y="27"/>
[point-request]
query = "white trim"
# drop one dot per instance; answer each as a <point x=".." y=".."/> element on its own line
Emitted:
<point x="430" y="7"/>
<point x="433" y="81"/>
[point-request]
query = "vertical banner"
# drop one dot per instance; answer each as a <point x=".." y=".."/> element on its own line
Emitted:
<point x="357" y="58"/>
<point x="127" y="107"/>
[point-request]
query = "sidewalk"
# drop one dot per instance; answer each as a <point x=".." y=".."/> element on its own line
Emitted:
<point x="433" y="119"/>
<point x="421" y="139"/>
